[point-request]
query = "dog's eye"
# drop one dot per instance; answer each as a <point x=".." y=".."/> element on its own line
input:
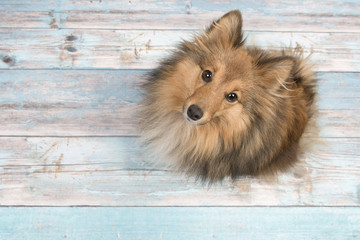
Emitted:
<point x="231" y="97"/>
<point x="206" y="75"/>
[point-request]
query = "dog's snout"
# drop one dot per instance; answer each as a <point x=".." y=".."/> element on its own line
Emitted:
<point x="194" y="112"/>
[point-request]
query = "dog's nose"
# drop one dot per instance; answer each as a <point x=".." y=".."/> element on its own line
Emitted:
<point x="194" y="112"/>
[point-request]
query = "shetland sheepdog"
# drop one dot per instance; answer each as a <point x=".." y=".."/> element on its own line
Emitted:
<point x="216" y="108"/>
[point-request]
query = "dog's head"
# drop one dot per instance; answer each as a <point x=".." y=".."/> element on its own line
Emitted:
<point x="215" y="71"/>
<point x="219" y="75"/>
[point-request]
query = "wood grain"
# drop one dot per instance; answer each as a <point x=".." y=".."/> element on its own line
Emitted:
<point x="69" y="75"/>
<point x="143" y="49"/>
<point x="322" y="16"/>
<point x="180" y="223"/>
<point x="102" y="103"/>
<point x="42" y="171"/>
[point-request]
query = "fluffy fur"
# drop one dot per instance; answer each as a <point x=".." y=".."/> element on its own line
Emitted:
<point x="257" y="133"/>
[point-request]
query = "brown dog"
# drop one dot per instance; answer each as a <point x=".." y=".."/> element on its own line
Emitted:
<point x="216" y="108"/>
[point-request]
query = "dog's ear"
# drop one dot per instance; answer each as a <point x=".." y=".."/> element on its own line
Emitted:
<point x="275" y="71"/>
<point x="227" y="30"/>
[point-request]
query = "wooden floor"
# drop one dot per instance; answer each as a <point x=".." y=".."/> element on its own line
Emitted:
<point x="70" y="163"/>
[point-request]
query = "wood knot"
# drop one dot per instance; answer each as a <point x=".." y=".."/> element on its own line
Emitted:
<point x="8" y="60"/>
<point x="71" y="49"/>
<point x="71" y="38"/>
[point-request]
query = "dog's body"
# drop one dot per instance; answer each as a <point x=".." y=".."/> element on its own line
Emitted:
<point x="216" y="108"/>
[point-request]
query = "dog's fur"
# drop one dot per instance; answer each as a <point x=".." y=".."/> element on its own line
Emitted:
<point x="257" y="133"/>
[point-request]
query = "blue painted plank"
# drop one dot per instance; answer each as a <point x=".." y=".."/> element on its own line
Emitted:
<point x="294" y="15"/>
<point x="117" y="172"/>
<point x="336" y="90"/>
<point x="102" y="103"/>
<point x="180" y="223"/>
<point x="143" y="49"/>
<point x="339" y="91"/>
<point x="337" y="6"/>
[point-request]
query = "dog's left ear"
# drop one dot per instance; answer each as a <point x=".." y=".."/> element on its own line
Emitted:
<point x="227" y="30"/>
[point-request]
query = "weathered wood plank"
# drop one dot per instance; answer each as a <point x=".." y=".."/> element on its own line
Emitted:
<point x="348" y="7"/>
<point x="180" y="223"/>
<point x="143" y="49"/>
<point x="102" y="103"/>
<point x="325" y="16"/>
<point x="64" y="103"/>
<point x="116" y="172"/>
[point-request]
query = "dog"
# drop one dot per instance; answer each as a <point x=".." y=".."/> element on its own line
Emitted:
<point x="216" y="108"/>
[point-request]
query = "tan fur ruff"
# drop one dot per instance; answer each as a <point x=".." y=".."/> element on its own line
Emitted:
<point x="258" y="133"/>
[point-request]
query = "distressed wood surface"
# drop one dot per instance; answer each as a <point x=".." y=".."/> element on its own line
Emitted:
<point x="322" y="16"/>
<point x="226" y="223"/>
<point x="69" y="75"/>
<point x="142" y="49"/>
<point x="102" y="103"/>
<point x="115" y="172"/>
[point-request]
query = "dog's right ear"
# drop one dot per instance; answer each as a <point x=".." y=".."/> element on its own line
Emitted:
<point x="227" y="30"/>
<point x="275" y="71"/>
